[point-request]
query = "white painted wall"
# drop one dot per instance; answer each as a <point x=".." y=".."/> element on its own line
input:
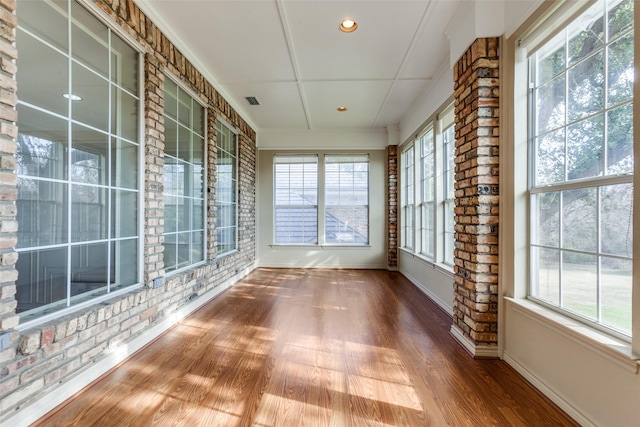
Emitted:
<point x="434" y="281"/>
<point x="308" y="256"/>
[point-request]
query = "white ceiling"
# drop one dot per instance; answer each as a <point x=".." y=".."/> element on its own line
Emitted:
<point x="292" y="57"/>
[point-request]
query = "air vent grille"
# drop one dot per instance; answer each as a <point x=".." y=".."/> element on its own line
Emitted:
<point x="252" y="100"/>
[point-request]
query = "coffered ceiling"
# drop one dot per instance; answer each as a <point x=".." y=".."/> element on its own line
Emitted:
<point x="291" y="56"/>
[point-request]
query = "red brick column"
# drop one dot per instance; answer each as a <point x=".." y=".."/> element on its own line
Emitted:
<point x="476" y="85"/>
<point x="392" y="207"/>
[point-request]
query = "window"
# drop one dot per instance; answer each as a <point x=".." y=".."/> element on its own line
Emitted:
<point x="408" y="187"/>
<point x="448" y="205"/>
<point x="77" y="160"/>
<point x="581" y="147"/>
<point x="296" y="199"/>
<point x="346" y="214"/>
<point x="427" y="193"/>
<point x="184" y="203"/>
<point x="227" y="190"/>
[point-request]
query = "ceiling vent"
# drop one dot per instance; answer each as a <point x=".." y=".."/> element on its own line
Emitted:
<point x="252" y="100"/>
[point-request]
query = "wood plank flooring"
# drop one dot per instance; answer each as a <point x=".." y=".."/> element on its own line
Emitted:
<point x="311" y="348"/>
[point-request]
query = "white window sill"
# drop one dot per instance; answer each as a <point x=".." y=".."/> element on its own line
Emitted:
<point x="606" y="345"/>
<point x="319" y="247"/>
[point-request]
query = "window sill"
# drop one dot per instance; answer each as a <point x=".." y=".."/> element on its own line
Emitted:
<point x="606" y="345"/>
<point x="318" y="247"/>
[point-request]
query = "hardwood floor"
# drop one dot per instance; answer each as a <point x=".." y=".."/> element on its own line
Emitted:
<point x="314" y="348"/>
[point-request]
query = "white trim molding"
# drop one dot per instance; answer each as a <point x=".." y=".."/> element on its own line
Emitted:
<point x="479" y="351"/>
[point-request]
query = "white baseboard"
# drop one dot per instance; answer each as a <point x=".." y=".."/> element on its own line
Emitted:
<point x="433" y="297"/>
<point x="485" y="351"/>
<point x="34" y="411"/>
<point x="554" y="396"/>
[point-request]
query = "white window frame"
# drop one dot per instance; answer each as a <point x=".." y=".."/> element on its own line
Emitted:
<point x="408" y="197"/>
<point x="236" y="190"/>
<point x="427" y="164"/>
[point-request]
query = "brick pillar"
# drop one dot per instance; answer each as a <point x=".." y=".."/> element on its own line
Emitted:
<point x="392" y="207"/>
<point x="476" y="85"/>
<point x="8" y="191"/>
<point x="154" y="170"/>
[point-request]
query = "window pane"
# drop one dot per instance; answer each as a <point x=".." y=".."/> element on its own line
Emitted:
<point x="48" y="20"/>
<point x="124" y="64"/>
<point x="620" y="18"/>
<point x="170" y="137"/>
<point x="550" y="105"/>
<point x="616" y="216"/>
<point x="580" y="284"/>
<point x="124" y="117"/>
<point x="170" y="255"/>
<point x="548" y="214"/>
<point x="620" y="140"/>
<point x="347" y="224"/>
<point x="42" y="213"/>
<point x="89" y="271"/>
<point x="124" y="213"/>
<point x="124" y="257"/>
<point x="546" y="275"/>
<point x="88" y="213"/>
<point x="35" y="58"/>
<point x="296" y="225"/>
<point x="41" y="145"/>
<point x="90" y="40"/>
<point x="579" y="220"/>
<point x="89" y="156"/>
<point x="93" y="109"/>
<point x="550" y="158"/>
<point x="586" y="87"/>
<point x="589" y="35"/>
<point x="124" y="164"/>
<point x="551" y="64"/>
<point x="616" y="293"/>
<point x="585" y="145"/>
<point x="42" y="279"/>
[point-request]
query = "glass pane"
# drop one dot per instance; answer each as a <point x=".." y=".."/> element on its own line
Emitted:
<point x="42" y="279"/>
<point x="170" y="137"/>
<point x="198" y="119"/>
<point x="551" y="64"/>
<point x="580" y="284"/>
<point x="46" y="92"/>
<point x="550" y="158"/>
<point x="197" y="246"/>
<point x="184" y="250"/>
<point x="88" y="213"/>
<point x="124" y="164"/>
<point x="184" y="213"/>
<point x="198" y="214"/>
<point x="124" y="213"/>
<point x="41" y="145"/>
<point x="197" y="181"/>
<point x="546" y="275"/>
<point x="347" y="225"/>
<point x="296" y="225"/>
<point x="586" y="87"/>
<point x="198" y="150"/>
<point x="89" y="269"/>
<point x="124" y="119"/>
<point x="589" y="35"/>
<point x="48" y="20"/>
<point x="93" y="109"/>
<point x="171" y="99"/>
<point x="580" y="220"/>
<point x="184" y="108"/>
<point x="550" y="105"/>
<point x="170" y="252"/>
<point x="620" y="70"/>
<point x="89" y="156"/>
<point x="585" y="145"/>
<point x="184" y="144"/>
<point x="616" y="293"/>
<point x="616" y="220"/>
<point x="124" y="268"/>
<point x="620" y="18"/>
<point x="547" y="232"/>
<point x="170" y="214"/>
<point x="124" y="64"/>
<point x="42" y="213"/>
<point x="90" y="40"/>
<point x="620" y="140"/>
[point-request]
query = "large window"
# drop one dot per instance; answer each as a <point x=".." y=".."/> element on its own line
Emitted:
<point x="77" y="159"/>
<point x="184" y="150"/>
<point x="407" y="218"/>
<point x="299" y="203"/>
<point x="346" y="213"/>
<point x="427" y="193"/>
<point x="448" y="190"/>
<point x="227" y="190"/>
<point x="296" y="199"/>
<point x="581" y="160"/>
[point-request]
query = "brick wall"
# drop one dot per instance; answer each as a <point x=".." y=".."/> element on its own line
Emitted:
<point x="392" y="207"/>
<point x="476" y="86"/>
<point x="33" y="362"/>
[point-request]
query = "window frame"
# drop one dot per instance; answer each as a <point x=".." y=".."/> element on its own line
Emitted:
<point x="428" y="235"/>
<point x="220" y="121"/>
<point x="182" y="88"/>
<point x="115" y="37"/>
<point x="596" y="183"/>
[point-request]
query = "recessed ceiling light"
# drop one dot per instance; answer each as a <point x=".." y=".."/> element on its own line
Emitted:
<point x="348" y="25"/>
<point x="72" y="97"/>
<point x="342" y="109"/>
